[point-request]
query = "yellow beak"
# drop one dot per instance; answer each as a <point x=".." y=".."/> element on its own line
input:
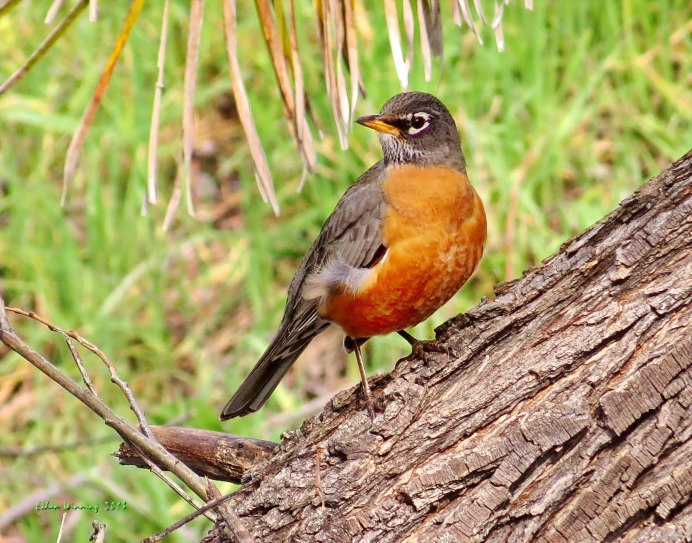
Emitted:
<point x="377" y="122"/>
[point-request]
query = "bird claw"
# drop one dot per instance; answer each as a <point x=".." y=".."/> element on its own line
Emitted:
<point x="438" y="346"/>
<point x="423" y="350"/>
<point x="369" y="403"/>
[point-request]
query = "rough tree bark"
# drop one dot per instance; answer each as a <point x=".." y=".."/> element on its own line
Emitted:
<point x="562" y="412"/>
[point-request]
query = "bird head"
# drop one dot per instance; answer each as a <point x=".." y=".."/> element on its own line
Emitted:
<point x="416" y="128"/>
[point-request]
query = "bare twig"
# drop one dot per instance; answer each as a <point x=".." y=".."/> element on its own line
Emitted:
<point x="172" y="484"/>
<point x="80" y="366"/>
<point x="62" y="524"/>
<point x="112" y="419"/>
<point x="99" y="535"/>
<point x="183" y="521"/>
<point x="233" y="522"/>
<point x="115" y="378"/>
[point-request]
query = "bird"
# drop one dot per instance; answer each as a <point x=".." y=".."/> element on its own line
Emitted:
<point x="402" y="240"/>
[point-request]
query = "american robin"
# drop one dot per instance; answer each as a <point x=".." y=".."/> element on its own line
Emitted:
<point x="402" y="241"/>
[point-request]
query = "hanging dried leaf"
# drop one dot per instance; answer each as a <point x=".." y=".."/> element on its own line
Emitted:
<point x="87" y="119"/>
<point x="7" y="6"/>
<point x="422" y="8"/>
<point x="351" y="58"/>
<point x="430" y="24"/>
<point x="152" y="169"/>
<point x="325" y="20"/>
<point x="392" y="17"/>
<point x="174" y="200"/>
<point x="496" y="25"/>
<point x="497" y="16"/>
<point x="278" y="59"/>
<point x="93" y="10"/>
<point x="479" y="9"/>
<point x="52" y="11"/>
<point x="45" y="45"/>
<point x="190" y="87"/>
<point x="339" y="30"/>
<point x="279" y="52"/>
<point x="466" y="12"/>
<point x="342" y="90"/>
<point x="264" y="178"/>
<point x="409" y="28"/>
<point x="303" y="132"/>
<point x="456" y="13"/>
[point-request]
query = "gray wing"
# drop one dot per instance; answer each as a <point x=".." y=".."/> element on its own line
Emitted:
<point x="352" y="233"/>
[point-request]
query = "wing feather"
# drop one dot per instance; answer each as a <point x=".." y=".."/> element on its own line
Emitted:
<point x="351" y="234"/>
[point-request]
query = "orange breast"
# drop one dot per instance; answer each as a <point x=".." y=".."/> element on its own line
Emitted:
<point x="435" y="230"/>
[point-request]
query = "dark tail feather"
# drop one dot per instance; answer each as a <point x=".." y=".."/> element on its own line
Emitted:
<point x="283" y="351"/>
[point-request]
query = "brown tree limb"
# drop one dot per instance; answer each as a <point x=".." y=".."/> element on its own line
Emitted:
<point x="209" y="454"/>
<point x="565" y="416"/>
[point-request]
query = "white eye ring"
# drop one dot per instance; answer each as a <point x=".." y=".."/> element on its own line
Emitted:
<point x="417" y="130"/>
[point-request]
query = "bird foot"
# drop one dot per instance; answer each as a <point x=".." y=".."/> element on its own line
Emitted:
<point x="422" y="349"/>
<point x="369" y="402"/>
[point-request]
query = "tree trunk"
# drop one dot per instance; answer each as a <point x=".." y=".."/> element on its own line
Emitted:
<point x="561" y="412"/>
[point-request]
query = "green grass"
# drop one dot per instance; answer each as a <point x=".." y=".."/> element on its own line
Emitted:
<point x="588" y="101"/>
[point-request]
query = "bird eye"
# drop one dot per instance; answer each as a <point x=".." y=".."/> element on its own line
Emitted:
<point x="418" y="123"/>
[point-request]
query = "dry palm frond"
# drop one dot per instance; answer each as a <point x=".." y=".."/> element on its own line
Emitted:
<point x="52" y="11"/>
<point x="264" y="178"/>
<point x="338" y="40"/>
<point x="400" y="65"/>
<point x="6" y="6"/>
<point x="45" y="46"/>
<point x="93" y="10"/>
<point x="87" y="119"/>
<point x="191" y="60"/>
<point x="282" y="42"/>
<point x="430" y="24"/>
<point x="351" y="57"/>
<point x="152" y="170"/>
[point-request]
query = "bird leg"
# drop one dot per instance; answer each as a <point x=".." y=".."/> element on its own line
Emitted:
<point x="364" y="380"/>
<point x="408" y="337"/>
<point x="417" y="347"/>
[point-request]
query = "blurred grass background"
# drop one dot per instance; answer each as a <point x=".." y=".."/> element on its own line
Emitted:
<point x="589" y="100"/>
